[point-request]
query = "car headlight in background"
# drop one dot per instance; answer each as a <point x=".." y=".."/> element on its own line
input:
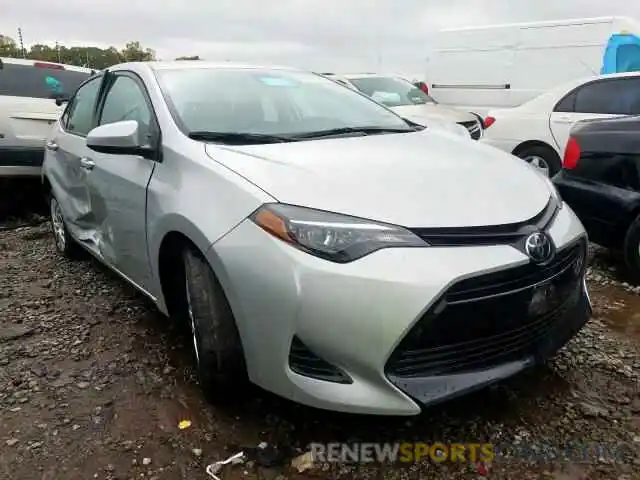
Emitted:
<point x="334" y="237"/>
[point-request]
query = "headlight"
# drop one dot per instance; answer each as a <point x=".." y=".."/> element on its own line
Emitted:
<point x="334" y="237"/>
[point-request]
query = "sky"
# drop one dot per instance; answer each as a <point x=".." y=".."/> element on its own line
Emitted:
<point x="327" y="35"/>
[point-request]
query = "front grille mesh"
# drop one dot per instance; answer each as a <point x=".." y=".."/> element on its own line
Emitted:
<point x="490" y="320"/>
<point x="474" y="127"/>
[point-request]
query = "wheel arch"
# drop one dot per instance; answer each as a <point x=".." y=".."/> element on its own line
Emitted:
<point x="534" y="143"/>
<point x="46" y="185"/>
<point x="169" y="266"/>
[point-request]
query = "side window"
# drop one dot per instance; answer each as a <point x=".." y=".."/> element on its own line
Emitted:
<point x="614" y="97"/>
<point x="567" y="104"/>
<point x="79" y="113"/>
<point x="125" y="100"/>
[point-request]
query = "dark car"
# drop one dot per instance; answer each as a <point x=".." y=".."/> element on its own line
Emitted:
<point x="600" y="181"/>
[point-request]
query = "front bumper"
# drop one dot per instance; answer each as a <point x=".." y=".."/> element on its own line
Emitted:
<point x="355" y="316"/>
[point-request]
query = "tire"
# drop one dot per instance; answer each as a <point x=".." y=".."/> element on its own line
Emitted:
<point x="64" y="243"/>
<point x="549" y="161"/>
<point x="632" y="251"/>
<point x="217" y="347"/>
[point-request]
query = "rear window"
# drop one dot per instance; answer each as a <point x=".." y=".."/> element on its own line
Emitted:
<point x="38" y="82"/>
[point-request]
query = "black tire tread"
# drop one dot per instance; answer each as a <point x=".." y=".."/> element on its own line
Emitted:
<point x="221" y="355"/>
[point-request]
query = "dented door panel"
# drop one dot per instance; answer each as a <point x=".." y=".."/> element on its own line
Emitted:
<point x="118" y="196"/>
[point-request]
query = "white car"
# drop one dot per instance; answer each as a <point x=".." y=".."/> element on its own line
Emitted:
<point x="313" y="240"/>
<point x="28" y="109"/>
<point x="538" y="130"/>
<point x="408" y="101"/>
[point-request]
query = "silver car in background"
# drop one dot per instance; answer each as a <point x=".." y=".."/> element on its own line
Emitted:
<point x="313" y="240"/>
<point x="408" y="101"/>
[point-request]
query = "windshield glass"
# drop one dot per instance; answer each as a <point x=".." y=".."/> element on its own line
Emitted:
<point x="392" y="92"/>
<point x="267" y="102"/>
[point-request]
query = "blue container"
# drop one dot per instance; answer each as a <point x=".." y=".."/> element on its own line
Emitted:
<point x="622" y="54"/>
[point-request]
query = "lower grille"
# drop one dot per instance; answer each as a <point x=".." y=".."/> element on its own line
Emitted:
<point x="494" y="319"/>
<point x="474" y="127"/>
<point x="304" y="362"/>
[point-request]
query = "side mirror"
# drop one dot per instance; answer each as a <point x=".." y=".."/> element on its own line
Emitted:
<point x="118" y="138"/>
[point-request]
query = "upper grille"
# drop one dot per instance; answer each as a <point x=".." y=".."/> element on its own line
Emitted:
<point x="493" y="319"/>
<point x="508" y="234"/>
<point x="474" y="127"/>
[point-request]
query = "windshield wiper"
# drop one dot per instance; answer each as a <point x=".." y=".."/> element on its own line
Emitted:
<point x="347" y="130"/>
<point x="238" y="138"/>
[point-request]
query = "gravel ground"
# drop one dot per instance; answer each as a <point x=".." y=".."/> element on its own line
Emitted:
<point x="94" y="382"/>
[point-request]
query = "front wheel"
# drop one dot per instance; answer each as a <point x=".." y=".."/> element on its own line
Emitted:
<point x="217" y="347"/>
<point x="543" y="158"/>
<point x="632" y="250"/>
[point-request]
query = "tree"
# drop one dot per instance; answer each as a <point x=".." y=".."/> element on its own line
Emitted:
<point x="8" y="47"/>
<point x="90" y="57"/>
<point x="194" y="57"/>
<point x="133" y="52"/>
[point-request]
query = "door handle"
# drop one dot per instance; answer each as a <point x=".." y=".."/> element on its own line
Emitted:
<point x="52" y="145"/>
<point x="564" y="119"/>
<point x="87" y="163"/>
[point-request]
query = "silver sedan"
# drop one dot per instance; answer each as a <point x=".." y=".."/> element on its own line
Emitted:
<point x="316" y="243"/>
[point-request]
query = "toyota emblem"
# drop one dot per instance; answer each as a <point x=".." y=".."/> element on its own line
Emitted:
<point x="539" y="247"/>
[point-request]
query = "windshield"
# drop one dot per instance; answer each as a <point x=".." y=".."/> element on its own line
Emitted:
<point x="267" y="102"/>
<point x="392" y="92"/>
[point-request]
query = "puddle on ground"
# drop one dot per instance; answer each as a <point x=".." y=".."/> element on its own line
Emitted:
<point x="618" y="309"/>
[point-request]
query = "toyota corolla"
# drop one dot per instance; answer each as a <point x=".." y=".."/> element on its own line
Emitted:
<point x="315" y="243"/>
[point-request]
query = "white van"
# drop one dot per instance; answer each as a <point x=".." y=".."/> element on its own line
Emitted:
<point x="503" y="66"/>
<point x="28" y="93"/>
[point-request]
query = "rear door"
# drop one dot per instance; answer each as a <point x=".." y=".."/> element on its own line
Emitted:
<point x="66" y="153"/>
<point x="117" y="183"/>
<point x="603" y="98"/>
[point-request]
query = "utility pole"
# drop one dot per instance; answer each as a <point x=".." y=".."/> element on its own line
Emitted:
<point x="24" y="53"/>
<point x="58" y="51"/>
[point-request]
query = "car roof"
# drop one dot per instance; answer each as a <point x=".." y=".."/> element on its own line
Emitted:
<point x="369" y="75"/>
<point x="196" y="64"/>
<point x="30" y="62"/>
<point x="550" y="97"/>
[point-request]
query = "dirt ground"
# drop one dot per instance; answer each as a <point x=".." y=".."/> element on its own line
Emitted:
<point x="94" y="383"/>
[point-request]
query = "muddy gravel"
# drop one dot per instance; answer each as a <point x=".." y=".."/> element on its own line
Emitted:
<point x="94" y="384"/>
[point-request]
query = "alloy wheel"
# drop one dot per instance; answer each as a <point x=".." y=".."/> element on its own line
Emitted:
<point x="58" y="225"/>
<point x="538" y="162"/>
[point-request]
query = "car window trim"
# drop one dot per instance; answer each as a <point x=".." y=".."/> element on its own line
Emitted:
<point x="110" y="79"/>
<point x="63" y="125"/>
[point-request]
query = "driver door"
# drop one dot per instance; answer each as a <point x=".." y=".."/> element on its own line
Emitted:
<point x="117" y="183"/>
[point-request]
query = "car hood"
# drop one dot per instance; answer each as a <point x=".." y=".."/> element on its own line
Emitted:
<point x="433" y="111"/>
<point x="421" y="179"/>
